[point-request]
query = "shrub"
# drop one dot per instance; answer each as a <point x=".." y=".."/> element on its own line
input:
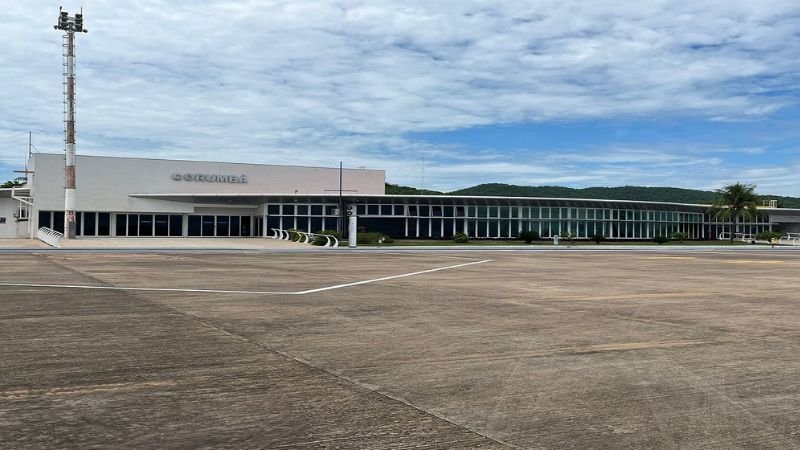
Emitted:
<point x="322" y="240"/>
<point x="529" y="236"/>
<point x="460" y="238"/>
<point x="678" y="236"/>
<point x="598" y="238"/>
<point x="660" y="239"/>
<point x="371" y="238"/>
<point x="567" y="236"/>
<point x="294" y="236"/>
<point x="768" y="236"/>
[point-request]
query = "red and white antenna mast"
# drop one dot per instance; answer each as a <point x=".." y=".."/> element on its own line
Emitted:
<point x="70" y="25"/>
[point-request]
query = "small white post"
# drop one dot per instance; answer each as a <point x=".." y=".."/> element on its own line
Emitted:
<point x="352" y="239"/>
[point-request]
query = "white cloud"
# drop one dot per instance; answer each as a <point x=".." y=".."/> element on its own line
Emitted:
<point x="323" y="81"/>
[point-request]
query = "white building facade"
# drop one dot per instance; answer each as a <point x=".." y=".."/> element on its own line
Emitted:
<point x="137" y="197"/>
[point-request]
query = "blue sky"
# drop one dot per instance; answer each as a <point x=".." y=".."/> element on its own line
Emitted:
<point x="573" y="93"/>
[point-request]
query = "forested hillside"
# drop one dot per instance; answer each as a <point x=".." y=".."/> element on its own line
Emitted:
<point x="654" y="194"/>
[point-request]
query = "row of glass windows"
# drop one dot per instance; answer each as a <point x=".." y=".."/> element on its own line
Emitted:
<point x="222" y="226"/>
<point x="155" y="225"/>
<point x="503" y="212"/>
<point x="445" y="228"/>
<point x="159" y="225"/>
<point x="86" y="223"/>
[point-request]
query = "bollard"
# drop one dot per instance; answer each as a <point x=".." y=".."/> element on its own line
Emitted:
<point x="352" y="238"/>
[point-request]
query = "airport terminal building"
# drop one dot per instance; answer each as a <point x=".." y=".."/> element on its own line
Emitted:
<point x="137" y="197"/>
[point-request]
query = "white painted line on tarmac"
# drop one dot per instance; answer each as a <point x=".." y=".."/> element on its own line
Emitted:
<point x="117" y="288"/>
<point x="226" y="291"/>
<point x="393" y="277"/>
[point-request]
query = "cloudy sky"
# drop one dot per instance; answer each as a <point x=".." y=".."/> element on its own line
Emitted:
<point x="692" y="94"/>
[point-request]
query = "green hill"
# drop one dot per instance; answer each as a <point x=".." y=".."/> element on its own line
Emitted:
<point x="653" y="194"/>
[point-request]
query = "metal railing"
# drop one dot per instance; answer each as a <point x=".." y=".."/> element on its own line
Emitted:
<point x="790" y="239"/>
<point x="49" y="236"/>
<point x="305" y="238"/>
<point x="743" y="237"/>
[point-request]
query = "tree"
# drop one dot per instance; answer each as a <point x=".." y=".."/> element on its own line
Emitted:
<point x="16" y="182"/>
<point x="734" y="201"/>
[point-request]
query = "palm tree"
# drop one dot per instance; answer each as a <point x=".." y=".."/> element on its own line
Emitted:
<point x="734" y="201"/>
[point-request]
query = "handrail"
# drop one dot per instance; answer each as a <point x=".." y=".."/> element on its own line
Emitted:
<point x="305" y="238"/>
<point x="790" y="239"/>
<point x="49" y="236"/>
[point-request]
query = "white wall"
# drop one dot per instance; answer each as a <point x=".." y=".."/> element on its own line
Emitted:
<point x="11" y="228"/>
<point x="104" y="183"/>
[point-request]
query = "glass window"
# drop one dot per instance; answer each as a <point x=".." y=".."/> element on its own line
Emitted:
<point x="195" y="226"/>
<point x="573" y="213"/>
<point x="122" y="225"/>
<point x="545" y="213"/>
<point x="234" y="226"/>
<point x="223" y="225"/>
<point x="526" y="212"/>
<point x="78" y="222"/>
<point x="104" y="224"/>
<point x="412" y="210"/>
<point x="482" y="228"/>
<point x="423" y="228"/>
<point x="245" y="224"/>
<point x="483" y="211"/>
<point x="505" y="227"/>
<point x="460" y="211"/>
<point x="590" y="214"/>
<point x="436" y="228"/>
<point x="361" y="210"/>
<point x="316" y="210"/>
<point x="44" y="219"/>
<point x="274" y="210"/>
<point x="302" y="210"/>
<point x="472" y="211"/>
<point x="386" y="210"/>
<point x="316" y="225"/>
<point x="208" y="225"/>
<point x="493" y="212"/>
<point x="89" y="220"/>
<point x="133" y="225"/>
<point x="436" y="211"/>
<point x="288" y="210"/>
<point x="447" y="211"/>
<point x="175" y="225"/>
<point x="162" y="225"/>
<point x="505" y="212"/>
<point x="582" y="213"/>
<point x="399" y="210"/>
<point x="515" y="212"/>
<point x="145" y="225"/>
<point x="373" y="210"/>
<point x="424" y="210"/>
<point x="330" y="210"/>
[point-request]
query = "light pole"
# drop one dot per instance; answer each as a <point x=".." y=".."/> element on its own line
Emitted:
<point x="70" y="25"/>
